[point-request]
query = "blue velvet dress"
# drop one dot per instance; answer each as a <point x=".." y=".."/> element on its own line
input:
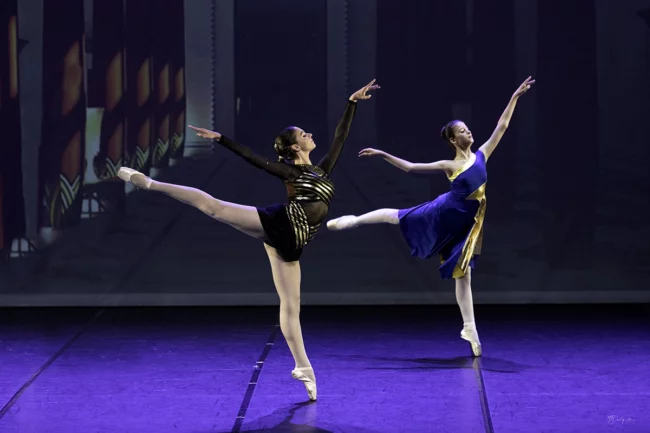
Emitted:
<point x="450" y="226"/>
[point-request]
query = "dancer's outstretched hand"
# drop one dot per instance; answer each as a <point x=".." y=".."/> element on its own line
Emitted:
<point x="361" y="93"/>
<point x="370" y="152"/>
<point x="524" y="87"/>
<point x="206" y="133"/>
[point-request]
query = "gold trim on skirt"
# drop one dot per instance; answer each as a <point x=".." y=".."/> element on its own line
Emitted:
<point x="474" y="240"/>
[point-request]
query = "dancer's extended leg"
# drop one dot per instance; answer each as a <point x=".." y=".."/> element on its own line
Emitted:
<point x="286" y="276"/>
<point x="380" y="216"/>
<point x="243" y="218"/>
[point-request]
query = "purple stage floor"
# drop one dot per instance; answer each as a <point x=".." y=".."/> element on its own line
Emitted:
<point x="384" y="369"/>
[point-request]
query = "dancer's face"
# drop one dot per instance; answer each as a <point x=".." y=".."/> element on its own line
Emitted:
<point x="304" y="141"/>
<point x="462" y="138"/>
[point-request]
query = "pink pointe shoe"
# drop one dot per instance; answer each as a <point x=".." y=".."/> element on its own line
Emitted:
<point x="310" y="385"/>
<point x="342" y="223"/>
<point x="126" y="173"/>
<point x="471" y="335"/>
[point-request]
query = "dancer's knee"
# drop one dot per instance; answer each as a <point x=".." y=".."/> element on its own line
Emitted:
<point x="465" y="279"/>
<point x="463" y="284"/>
<point x="290" y="305"/>
<point x="289" y="317"/>
<point x="212" y="207"/>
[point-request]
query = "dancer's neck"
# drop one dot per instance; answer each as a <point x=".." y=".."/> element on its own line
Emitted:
<point x="463" y="155"/>
<point x="302" y="160"/>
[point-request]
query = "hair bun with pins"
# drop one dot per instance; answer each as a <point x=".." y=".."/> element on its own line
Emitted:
<point x="282" y="145"/>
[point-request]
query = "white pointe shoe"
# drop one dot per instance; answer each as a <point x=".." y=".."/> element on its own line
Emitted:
<point x="125" y="174"/>
<point x="342" y="223"/>
<point x="310" y="385"/>
<point x="471" y="335"/>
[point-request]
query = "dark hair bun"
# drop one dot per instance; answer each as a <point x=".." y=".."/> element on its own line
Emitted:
<point x="283" y="143"/>
<point x="447" y="133"/>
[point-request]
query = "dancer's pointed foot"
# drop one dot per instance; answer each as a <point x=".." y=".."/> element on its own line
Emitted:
<point x="470" y="334"/>
<point x="306" y="376"/>
<point x="342" y="223"/>
<point x="135" y="177"/>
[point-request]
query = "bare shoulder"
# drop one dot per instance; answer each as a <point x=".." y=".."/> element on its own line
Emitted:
<point x="446" y="165"/>
<point x="453" y="166"/>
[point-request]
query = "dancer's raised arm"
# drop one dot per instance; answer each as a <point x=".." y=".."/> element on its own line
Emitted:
<point x="407" y="166"/>
<point x="504" y="120"/>
<point x="343" y="128"/>
<point x="279" y="169"/>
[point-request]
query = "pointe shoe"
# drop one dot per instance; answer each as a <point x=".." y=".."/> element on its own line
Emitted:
<point x="126" y="173"/>
<point x="342" y="223"/>
<point x="310" y="385"/>
<point x="471" y="335"/>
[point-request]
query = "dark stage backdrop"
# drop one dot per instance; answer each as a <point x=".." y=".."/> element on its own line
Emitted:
<point x="88" y="86"/>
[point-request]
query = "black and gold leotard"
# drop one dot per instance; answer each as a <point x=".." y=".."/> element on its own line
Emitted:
<point x="309" y="188"/>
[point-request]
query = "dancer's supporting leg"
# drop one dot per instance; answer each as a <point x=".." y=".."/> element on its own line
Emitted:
<point x="286" y="276"/>
<point x="380" y="216"/>
<point x="465" y="302"/>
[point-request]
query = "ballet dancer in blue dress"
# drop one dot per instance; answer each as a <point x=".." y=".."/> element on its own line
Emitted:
<point x="450" y="226"/>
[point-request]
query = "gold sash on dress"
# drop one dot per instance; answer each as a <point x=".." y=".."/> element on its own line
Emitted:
<point x="474" y="240"/>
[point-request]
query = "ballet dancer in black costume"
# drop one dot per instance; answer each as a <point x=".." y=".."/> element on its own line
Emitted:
<point x="284" y="228"/>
